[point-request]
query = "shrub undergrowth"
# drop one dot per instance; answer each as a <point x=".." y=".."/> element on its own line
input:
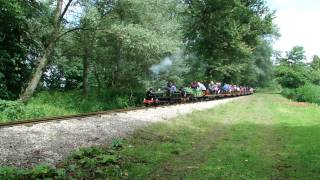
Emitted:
<point x="307" y="93"/>
<point x="57" y="103"/>
<point x="85" y="163"/>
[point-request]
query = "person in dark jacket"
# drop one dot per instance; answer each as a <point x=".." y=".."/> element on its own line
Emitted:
<point x="194" y="85"/>
<point x="183" y="95"/>
<point x="150" y="94"/>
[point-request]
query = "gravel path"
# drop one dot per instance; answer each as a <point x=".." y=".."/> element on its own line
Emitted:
<point x="25" y="146"/>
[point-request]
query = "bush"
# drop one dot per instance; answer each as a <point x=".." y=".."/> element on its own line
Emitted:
<point x="289" y="93"/>
<point x="84" y="163"/>
<point x="11" y="110"/>
<point x="289" y="77"/>
<point x="308" y="93"/>
<point x="272" y="87"/>
<point x="57" y="103"/>
<point x="38" y="172"/>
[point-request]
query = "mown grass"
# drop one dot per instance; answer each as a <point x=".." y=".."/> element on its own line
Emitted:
<point x="259" y="137"/>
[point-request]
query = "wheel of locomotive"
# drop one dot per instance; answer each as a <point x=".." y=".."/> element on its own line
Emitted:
<point x="155" y="104"/>
<point x="171" y="101"/>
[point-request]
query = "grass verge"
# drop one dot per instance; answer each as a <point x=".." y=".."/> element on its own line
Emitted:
<point x="58" y="103"/>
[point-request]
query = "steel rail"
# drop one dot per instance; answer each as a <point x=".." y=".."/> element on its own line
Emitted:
<point x="67" y="117"/>
<point x="91" y="114"/>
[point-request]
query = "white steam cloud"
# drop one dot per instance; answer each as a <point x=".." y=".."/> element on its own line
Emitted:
<point x="163" y="66"/>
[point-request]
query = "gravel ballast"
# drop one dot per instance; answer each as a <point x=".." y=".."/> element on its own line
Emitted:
<point x="51" y="142"/>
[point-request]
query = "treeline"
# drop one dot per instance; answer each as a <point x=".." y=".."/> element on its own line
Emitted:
<point x="299" y="78"/>
<point x="106" y="44"/>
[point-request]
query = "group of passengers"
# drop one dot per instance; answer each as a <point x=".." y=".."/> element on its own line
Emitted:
<point x="207" y="88"/>
<point x="218" y="87"/>
<point x="171" y="87"/>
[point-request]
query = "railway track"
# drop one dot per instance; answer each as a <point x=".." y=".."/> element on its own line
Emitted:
<point x="84" y="115"/>
<point x="66" y="117"/>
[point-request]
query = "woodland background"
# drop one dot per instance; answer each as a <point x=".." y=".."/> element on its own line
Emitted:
<point x="69" y="56"/>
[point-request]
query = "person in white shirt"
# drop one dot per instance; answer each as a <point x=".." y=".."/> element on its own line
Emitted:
<point x="211" y="87"/>
<point x="201" y="86"/>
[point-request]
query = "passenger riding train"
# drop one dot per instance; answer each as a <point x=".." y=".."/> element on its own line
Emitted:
<point x="196" y="92"/>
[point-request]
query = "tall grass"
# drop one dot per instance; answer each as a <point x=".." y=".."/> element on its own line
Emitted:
<point x="56" y="103"/>
<point x="307" y="93"/>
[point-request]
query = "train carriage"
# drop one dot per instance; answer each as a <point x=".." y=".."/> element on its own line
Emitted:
<point x="192" y="95"/>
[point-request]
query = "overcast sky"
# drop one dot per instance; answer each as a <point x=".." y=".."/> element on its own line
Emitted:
<point x="299" y="23"/>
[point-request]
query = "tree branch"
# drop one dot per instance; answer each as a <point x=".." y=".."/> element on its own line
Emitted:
<point x="69" y="31"/>
<point x="65" y="10"/>
<point x="82" y="29"/>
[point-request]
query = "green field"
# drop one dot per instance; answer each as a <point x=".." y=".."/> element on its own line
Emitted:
<point x="263" y="136"/>
<point x="259" y="137"/>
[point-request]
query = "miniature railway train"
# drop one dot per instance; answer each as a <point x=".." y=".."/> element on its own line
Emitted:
<point x="191" y="95"/>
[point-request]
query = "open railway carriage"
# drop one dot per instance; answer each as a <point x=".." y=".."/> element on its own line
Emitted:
<point x="191" y="95"/>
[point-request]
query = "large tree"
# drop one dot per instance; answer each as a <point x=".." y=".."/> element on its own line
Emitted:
<point x="17" y="45"/>
<point x="315" y="70"/>
<point x="118" y="42"/>
<point x="223" y="35"/>
<point x="130" y="37"/>
<point x="47" y="46"/>
<point x="292" y="71"/>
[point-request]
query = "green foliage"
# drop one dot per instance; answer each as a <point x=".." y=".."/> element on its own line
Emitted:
<point x="38" y="172"/>
<point x="113" y="44"/>
<point x="117" y="143"/>
<point x="85" y="163"/>
<point x="86" y="152"/>
<point x="315" y="76"/>
<point x="123" y="44"/>
<point x="289" y="93"/>
<point x="309" y="93"/>
<point x="18" y="45"/>
<point x="315" y="70"/>
<point x="272" y="87"/>
<point x="260" y="72"/>
<point x="291" y="76"/>
<point x="300" y="80"/>
<point x="315" y="64"/>
<point x="57" y="103"/>
<point x="11" y="110"/>
<point x="223" y="35"/>
<point x="296" y="55"/>
<point x="94" y="163"/>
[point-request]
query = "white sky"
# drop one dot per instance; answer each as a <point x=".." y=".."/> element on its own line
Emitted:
<point x="299" y="23"/>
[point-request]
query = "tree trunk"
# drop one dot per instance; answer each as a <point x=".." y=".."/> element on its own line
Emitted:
<point x="36" y="76"/>
<point x="43" y="60"/>
<point x="117" y="71"/>
<point x="85" y="72"/>
<point x="96" y="74"/>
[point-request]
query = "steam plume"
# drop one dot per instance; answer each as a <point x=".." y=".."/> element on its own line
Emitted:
<point x="163" y="66"/>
